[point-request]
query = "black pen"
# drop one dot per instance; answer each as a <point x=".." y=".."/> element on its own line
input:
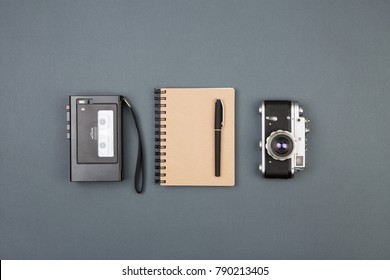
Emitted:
<point x="218" y="127"/>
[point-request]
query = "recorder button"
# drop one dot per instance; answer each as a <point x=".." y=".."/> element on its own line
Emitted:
<point x="83" y="101"/>
<point x="68" y="135"/>
<point x="68" y="116"/>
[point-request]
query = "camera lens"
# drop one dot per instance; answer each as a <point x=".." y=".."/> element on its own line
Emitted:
<point x="102" y="145"/>
<point x="102" y="121"/>
<point x="282" y="145"/>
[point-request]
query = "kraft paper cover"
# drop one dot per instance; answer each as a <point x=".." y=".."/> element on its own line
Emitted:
<point x="190" y="137"/>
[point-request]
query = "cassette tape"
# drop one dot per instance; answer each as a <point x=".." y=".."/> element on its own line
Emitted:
<point x="95" y="133"/>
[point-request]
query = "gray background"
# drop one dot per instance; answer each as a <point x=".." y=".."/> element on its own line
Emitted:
<point x="331" y="56"/>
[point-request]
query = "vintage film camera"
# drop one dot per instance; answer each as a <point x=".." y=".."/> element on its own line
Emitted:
<point x="283" y="143"/>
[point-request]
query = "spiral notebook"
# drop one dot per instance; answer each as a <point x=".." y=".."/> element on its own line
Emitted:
<point x="185" y="142"/>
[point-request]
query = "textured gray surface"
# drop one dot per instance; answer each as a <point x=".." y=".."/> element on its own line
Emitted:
<point x="331" y="56"/>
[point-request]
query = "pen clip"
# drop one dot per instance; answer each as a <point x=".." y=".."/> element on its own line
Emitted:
<point x="223" y="114"/>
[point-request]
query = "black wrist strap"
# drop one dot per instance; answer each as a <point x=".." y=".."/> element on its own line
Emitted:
<point x="139" y="169"/>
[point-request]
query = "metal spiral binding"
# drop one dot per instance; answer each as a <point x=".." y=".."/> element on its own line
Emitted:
<point x="160" y="125"/>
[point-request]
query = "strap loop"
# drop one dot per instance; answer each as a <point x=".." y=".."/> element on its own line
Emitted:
<point x="139" y="170"/>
